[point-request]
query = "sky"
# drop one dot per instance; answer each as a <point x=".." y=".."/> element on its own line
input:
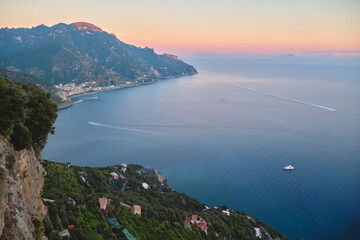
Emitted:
<point x="219" y="26"/>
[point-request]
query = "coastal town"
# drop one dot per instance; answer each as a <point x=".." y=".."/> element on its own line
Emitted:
<point x="70" y="90"/>
<point x="66" y="91"/>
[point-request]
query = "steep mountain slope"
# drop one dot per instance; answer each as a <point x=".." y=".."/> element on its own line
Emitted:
<point x="26" y="78"/>
<point x="26" y="117"/>
<point x="59" y="62"/>
<point x="83" y="52"/>
<point x="21" y="181"/>
<point x="71" y="195"/>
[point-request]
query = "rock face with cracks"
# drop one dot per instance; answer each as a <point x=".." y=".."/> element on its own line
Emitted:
<point x="21" y="182"/>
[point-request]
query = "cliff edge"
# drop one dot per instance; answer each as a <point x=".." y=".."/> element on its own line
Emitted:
<point x="21" y="181"/>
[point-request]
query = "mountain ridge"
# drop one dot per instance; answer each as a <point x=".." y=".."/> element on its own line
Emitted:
<point x="86" y="26"/>
<point x="90" y="54"/>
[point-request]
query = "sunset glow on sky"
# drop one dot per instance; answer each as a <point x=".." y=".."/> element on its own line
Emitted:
<point x="236" y="26"/>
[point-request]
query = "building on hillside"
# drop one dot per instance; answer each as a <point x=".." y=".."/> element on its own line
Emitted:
<point x="103" y="202"/>
<point x="187" y="223"/>
<point x="226" y="212"/>
<point x="197" y="221"/>
<point x="257" y="232"/>
<point x="145" y="185"/>
<point x="193" y="218"/>
<point x="114" y="175"/>
<point x="71" y="201"/>
<point x="136" y="209"/>
<point x="124" y="167"/>
<point x="202" y="225"/>
<point x="65" y="233"/>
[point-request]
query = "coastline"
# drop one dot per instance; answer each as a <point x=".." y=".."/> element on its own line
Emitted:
<point x="67" y="105"/>
<point x="159" y="204"/>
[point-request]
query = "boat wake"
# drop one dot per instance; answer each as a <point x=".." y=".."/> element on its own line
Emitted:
<point x="285" y="98"/>
<point x="90" y="98"/>
<point x="119" y="128"/>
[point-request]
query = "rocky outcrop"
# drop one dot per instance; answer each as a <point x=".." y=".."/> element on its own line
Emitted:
<point x="86" y="26"/>
<point x="160" y="178"/>
<point x="174" y="57"/>
<point x="21" y="182"/>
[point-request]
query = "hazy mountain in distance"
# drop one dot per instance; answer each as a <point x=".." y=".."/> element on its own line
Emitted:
<point x="82" y="52"/>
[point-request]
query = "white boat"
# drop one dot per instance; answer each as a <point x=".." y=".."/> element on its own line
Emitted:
<point x="289" y="167"/>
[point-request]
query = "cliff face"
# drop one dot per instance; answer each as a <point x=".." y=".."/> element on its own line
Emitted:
<point x="21" y="181"/>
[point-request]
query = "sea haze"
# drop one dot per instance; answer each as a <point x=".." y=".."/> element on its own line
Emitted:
<point x="224" y="135"/>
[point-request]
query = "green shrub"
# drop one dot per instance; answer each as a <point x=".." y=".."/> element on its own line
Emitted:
<point x="10" y="161"/>
<point x="27" y="114"/>
<point x="21" y="137"/>
<point x="39" y="228"/>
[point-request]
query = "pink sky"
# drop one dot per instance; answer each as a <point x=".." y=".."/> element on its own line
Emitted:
<point x="233" y="26"/>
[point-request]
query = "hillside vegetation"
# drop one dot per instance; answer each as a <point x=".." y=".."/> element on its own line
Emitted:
<point x="71" y="194"/>
<point x="26" y="114"/>
<point x="82" y="52"/>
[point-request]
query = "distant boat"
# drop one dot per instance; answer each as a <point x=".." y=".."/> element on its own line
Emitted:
<point x="289" y="167"/>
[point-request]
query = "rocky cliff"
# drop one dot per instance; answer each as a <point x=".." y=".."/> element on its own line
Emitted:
<point x="21" y="181"/>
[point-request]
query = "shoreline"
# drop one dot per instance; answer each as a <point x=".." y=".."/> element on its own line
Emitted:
<point x="69" y="104"/>
<point x="117" y="88"/>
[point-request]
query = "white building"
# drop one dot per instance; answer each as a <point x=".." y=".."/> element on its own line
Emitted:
<point x="257" y="232"/>
<point x="65" y="233"/>
<point x="226" y="212"/>
<point x="114" y="175"/>
<point x="124" y="167"/>
<point x="145" y="185"/>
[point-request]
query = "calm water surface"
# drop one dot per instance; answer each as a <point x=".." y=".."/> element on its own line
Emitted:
<point x="223" y="136"/>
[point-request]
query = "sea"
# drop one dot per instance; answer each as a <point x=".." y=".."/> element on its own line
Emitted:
<point x="224" y="136"/>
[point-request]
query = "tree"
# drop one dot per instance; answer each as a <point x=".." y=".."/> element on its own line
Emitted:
<point x="12" y="105"/>
<point x="21" y="137"/>
<point x="27" y="114"/>
<point x="42" y="115"/>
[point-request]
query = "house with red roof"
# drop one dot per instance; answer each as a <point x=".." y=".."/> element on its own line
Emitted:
<point x="103" y="202"/>
<point x="197" y="221"/>
<point x="203" y="225"/>
<point x="136" y="209"/>
<point x="114" y="175"/>
<point x="193" y="218"/>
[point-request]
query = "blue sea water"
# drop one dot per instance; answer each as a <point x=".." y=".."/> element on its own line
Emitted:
<point x="224" y="135"/>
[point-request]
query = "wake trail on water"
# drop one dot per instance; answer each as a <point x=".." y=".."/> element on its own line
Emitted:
<point x="162" y="143"/>
<point x="136" y="126"/>
<point x="90" y="98"/>
<point x="119" y="128"/>
<point x="285" y="98"/>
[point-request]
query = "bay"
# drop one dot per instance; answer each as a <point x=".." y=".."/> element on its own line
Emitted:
<point x="224" y="135"/>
